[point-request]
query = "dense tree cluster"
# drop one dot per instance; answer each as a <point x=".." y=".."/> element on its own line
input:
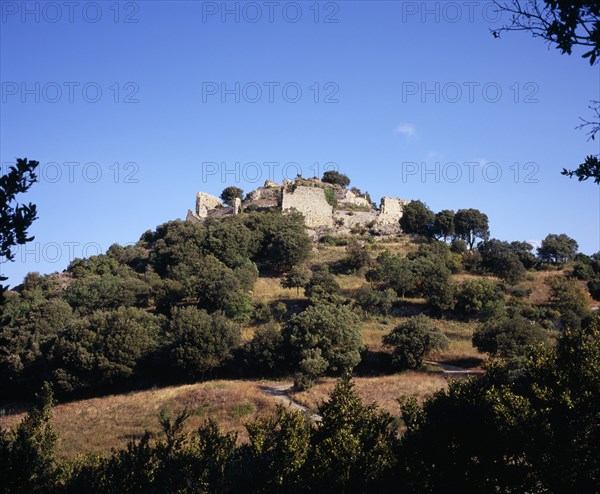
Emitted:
<point x="534" y="431"/>
<point x="466" y="224"/>
<point x="173" y="302"/>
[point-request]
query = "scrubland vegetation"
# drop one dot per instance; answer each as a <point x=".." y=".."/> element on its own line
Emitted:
<point x="163" y="351"/>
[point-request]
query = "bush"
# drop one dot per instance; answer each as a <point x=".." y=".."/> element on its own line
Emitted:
<point x="357" y="256"/>
<point x="583" y="271"/>
<point x="336" y="178"/>
<point x="375" y="302"/>
<point x="325" y="338"/>
<point x="263" y="354"/>
<point x="481" y="299"/>
<point x="508" y="337"/>
<point x="201" y="342"/>
<point x="413" y="340"/>
<point x="594" y="288"/>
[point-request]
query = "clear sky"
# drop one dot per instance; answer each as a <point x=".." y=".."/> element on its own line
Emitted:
<point x="133" y="107"/>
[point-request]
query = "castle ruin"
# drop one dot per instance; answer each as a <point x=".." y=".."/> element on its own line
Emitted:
<point x="325" y="207"/>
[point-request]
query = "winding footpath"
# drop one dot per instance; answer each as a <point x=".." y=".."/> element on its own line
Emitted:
<point x="281" y="391"/>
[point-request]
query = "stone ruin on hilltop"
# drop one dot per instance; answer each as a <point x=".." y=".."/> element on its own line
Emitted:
<point x="325" y="207"/>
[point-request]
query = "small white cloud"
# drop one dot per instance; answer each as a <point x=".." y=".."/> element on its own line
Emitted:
<point x="406" y="129"/>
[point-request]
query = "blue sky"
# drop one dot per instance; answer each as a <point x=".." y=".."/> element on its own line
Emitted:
<point x="133" y="107"/>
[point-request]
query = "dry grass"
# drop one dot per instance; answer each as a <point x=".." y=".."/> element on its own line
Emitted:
<point x="99" y="424"/>
<point x="385" y="390"/>
<point x="461" y="351"/>
<point x="269" y="289"/>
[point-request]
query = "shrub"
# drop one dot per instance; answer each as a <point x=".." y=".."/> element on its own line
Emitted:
<point x="413" y="340"/>
<point x="336" y="178"/>
<point x="508" y="337"/>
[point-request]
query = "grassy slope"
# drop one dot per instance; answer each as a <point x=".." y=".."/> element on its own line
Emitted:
<point x="99" y="424"/>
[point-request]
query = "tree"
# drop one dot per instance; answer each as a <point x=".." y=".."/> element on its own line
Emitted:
<point x="263" y="354"/>
<point x="284" y="241"/>
<point x="15" y="218"/>
<point x="325" y="338"/>
<point x="277" y="452"/>
<point x="27" y="453"/>
<point x="413" y="340"/>
<point x="322" y="283"/>
<point x="417" y="219"/>
<point x="443" y="224"/>
<point x="336" y="178"/>
<point x="570" y="299"/>
<point x="557" y="249"/>
<point x="298" y="277"/>
<point x="432" y="281"/>
<point x="504" y="259"/>
<point x="564" y="25"/>
<point x="540" y="425"/>
<point x="230" y="194"/>
<point x="201" y="342"/>
<point x="471" y="224"/>
<point x="372" y="301"/>
<point x="508" y="337"/>
<point x="357" y="256"/>
<point x="352" y="446"/>
<point x="480" y="299"/>
<point x="105" y="349"/>
<point x="594" y="288"/>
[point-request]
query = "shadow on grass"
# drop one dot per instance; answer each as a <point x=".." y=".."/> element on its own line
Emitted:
<point x="465" y="362"/>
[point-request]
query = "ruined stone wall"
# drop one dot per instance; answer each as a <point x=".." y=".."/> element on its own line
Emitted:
<point x="391" y="210"/>
<point x="345" y="220"/>
<point x="205" y="202"/>
<point x="311" y="202"/>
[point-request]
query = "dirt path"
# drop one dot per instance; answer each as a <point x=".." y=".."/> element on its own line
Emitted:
<point x="280" y="393"/>
<point x="453" y="369"/>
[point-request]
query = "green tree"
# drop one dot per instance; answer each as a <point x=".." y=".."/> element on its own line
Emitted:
<point x="278" y="450"/>
<point x="15" y="218"/>
<point x="417" y="218"/>
<point x="283" y="240"/>
<point x="471" y="224"/>
<point x="322" y="284"/>
<point x="25" y="343"/>
<point x="413" y="340"/>
<point x="508" y="337"/>
<point x="557" y="248"/>
<point x="357" y="256"/>
<point x="481" y="299"/>
<point x="594" y="288"/>
<point x="443" y="224"/>
<point x="297" y="277"/>
<point x="230" y="194"/>
<point x="27" y="453"/>
<point x="263" y="354"/>
<point x="503" y="259"/>
<point x="201" y="342"/>
<point x="336" y="178"/>
<point x="540" y="425"/>
<point x="352" y="446"/>
<point x="105" y="349"/>
<point x="325" y="338"/>
<point x="570" y="299"/>
<point x="379" y="302"/>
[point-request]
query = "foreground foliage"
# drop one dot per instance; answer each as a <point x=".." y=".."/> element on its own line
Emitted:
<point x="533" y="431"/>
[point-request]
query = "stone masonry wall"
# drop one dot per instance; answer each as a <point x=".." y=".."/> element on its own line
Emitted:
<point x="391" y="210"/>
<point x="311" y="202"/>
